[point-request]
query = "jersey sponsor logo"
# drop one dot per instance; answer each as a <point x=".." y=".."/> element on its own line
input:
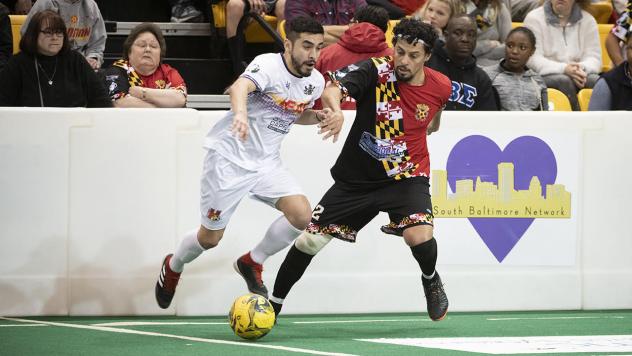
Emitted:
<point x="291" y="105"/>
<point x="213" y="215"/>
<point x="383" y="149"/>
<point x="279" y="125"/>
<point x="422" y="111"/>
<point x="463" y="94"/>
<point x="254" y="68"/>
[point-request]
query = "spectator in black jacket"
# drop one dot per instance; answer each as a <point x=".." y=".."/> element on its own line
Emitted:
<point x="471" y="87"/>
<point x="47" y="72"/>
<point x="6" y="38"/>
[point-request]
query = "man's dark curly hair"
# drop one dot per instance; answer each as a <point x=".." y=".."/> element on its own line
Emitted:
<point x="413" y="30"/>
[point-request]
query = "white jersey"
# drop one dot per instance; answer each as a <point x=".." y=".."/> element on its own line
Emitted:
<point x="273" y="107"/>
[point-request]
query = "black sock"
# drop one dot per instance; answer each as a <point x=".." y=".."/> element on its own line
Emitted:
<point x="290" y="272"/>
<point x="426" y="255"/>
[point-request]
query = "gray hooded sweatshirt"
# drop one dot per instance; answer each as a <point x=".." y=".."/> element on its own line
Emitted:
<point x="86" y="29"/>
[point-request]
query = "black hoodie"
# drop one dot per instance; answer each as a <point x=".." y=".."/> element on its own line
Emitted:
<point x="471" y="87"/>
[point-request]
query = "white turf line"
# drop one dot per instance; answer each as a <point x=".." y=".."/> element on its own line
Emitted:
<point x="557" y="318"/>
<point x="156" y="323"/>
<point x="198" y="339"/>
<point x="18" y="325"/>
<point x="358" y="321"/>
<point x="145" y="323"/>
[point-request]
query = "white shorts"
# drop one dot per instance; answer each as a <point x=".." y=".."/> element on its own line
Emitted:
<point x="224" y="184"/>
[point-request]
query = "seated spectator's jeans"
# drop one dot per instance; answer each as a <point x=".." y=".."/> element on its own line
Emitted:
<point x="565" y="84"/>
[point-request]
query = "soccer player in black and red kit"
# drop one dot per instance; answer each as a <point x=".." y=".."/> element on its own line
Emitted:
<point x="384" y="164"/>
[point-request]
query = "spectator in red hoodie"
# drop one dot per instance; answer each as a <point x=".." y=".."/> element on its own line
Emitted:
<point x="364" y="39"/>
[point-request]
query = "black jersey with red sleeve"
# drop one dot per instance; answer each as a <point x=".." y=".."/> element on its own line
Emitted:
<point x="387" y="141"/>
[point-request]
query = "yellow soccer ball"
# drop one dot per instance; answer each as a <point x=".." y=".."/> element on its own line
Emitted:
<point x="251" y="316"/>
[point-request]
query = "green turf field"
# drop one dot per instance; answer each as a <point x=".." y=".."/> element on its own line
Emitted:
<point x="524" y="333"/>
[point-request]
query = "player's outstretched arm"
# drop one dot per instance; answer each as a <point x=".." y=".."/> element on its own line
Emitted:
<point x="238" y="102"/>
<point x="435" y="123"/>
<point x="313" y="117"/>
<point x="332" y="124"/>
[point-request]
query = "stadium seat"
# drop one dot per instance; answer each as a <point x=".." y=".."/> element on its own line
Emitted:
<point x="584" y="98"/>
<point x="516" y="24"/>
<point x="558" y="101"/>
<point x="281" y="29"/>
<point x="601" y="11"/>
<point x="604" y="30"/>
<point x="254" y="32"/>
<point x="16" y="24"/>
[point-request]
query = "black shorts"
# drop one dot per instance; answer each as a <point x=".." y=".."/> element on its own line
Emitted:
<point x="343" y="211"/>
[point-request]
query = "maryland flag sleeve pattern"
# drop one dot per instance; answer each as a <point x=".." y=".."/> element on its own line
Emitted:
<point x="389" y="121"/>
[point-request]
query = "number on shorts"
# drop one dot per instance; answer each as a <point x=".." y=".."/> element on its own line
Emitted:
<point x="317" y="211"/>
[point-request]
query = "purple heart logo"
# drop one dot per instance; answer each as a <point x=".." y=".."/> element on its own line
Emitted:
<point x="478" y="156"/>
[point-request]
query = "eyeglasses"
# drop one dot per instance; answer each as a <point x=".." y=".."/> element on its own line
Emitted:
<point x="50" y="33"/>
<point x="143" y="44"/>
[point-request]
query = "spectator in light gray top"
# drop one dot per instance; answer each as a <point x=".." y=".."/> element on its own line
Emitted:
<point x="518" y="87"/>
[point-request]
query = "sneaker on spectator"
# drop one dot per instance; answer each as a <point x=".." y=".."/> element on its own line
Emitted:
<point x="186" y="13"/>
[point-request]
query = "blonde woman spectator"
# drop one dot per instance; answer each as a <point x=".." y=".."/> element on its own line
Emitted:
<point x="140" y="79"/>
<point x="438" y="13"/>
<point x="568" y="55"/>
<point x="493" y="22"/>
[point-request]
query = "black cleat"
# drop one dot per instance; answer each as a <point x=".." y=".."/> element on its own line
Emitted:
<point x="277" y="308"/>
<point x="167" y="283"/>
<point x="390" y="230"/>
<point x="251" y="273"/>
<point x="436" y="299"/>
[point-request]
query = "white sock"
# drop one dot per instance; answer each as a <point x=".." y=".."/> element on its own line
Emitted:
<point x="430" y="276"/>
<point x="188" y="250"/>
<point x="276" y="300"/>
<point x="280" y="235"/>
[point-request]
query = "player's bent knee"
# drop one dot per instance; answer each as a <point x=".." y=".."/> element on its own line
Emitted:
<point x="302" y="220"/>
<point x="311" y="243"/>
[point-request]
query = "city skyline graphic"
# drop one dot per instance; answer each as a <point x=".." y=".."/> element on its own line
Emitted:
<point x="480" y="199"/>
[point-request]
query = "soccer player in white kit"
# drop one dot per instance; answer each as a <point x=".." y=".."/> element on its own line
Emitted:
<point x="275" y="91"/>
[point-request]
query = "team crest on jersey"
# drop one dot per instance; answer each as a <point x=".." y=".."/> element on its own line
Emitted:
<point x="309" y="89"/>
<point x="422" y="112"/>
<point x="254" y="68"/>
<point x="213" y="214"/>
<point x="161" y="84"/>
